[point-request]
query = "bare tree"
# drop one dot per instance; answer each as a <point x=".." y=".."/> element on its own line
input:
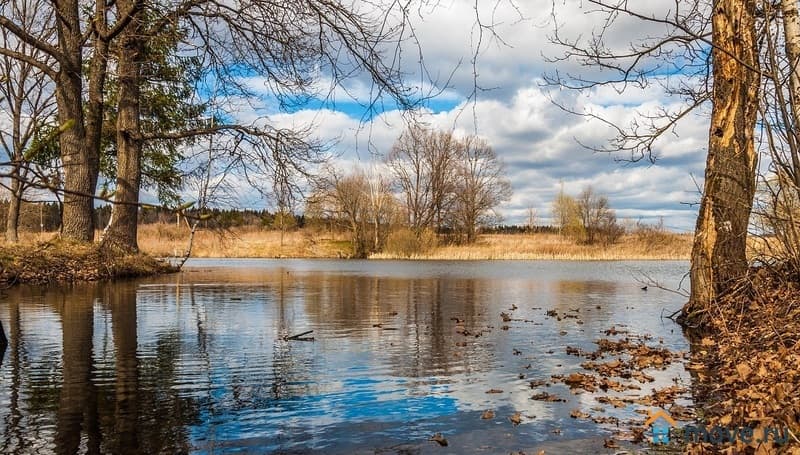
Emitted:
<point x="26" y="96"/>
<point x="532" y="219"/>
<point x="408" y="163"/>
<point x="598" y="219"/>
<point x="362" y="203"/>
<point x="122" y="229"/>
<point x="382" y="207"/>
<point x="481" y="186"/>
<point x="345" y="198"/>
<point x="423" y="163"/>
<point x="565" y="215"/>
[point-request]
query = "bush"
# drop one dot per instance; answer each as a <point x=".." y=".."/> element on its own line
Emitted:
<point x="652" y="235"/>
<point x="403" y="242"/>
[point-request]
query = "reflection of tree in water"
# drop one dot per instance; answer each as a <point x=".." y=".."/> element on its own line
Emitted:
<point x="77" y="416"/>
<point x="34" y="386"/>
<point x="138" y="412"/>
<point x="421" y="311"/>
<point x="585" y="296"/>
<point x="282" y="360"/>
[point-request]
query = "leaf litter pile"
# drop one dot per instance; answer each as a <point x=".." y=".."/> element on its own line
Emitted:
<point x="747" y="365"/>
<point x="619" y="373"/>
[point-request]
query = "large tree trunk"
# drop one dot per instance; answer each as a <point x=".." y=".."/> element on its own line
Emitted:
<point x="125" y="213"/>
<point x="718" y="253"/>
<point x="80" y="162"/>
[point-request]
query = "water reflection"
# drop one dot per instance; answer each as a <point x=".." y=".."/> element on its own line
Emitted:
<point x="197" y="362"/>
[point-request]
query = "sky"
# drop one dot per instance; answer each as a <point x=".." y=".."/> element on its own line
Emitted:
<point x="517" y="112"/>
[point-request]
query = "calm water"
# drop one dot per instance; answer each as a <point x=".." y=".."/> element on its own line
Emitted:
<point x="196" y="362"/>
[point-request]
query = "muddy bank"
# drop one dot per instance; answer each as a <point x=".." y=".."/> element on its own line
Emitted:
<point x="63" y="262"/>
<point x="746" y="364"/>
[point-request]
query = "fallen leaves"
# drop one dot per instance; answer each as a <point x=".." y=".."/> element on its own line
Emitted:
<point x="578" y="414"/>
<point x="438" y="438"/>
<point x="549" y="397"/>
<point x="747" y="366"/>
<point x="610" y="444"/>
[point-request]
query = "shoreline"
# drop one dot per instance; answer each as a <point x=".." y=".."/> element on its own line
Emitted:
<point x="161" y="240"/>
<point x="425" y="259"/>
<point x="69" y="262"/>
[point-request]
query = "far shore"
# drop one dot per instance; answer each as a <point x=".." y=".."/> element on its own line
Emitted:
<point x="167" y="240"/>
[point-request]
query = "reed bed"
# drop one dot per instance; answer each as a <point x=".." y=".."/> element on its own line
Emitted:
<point x="251" y="242"/>
<point x="164" y="240"/>
<point x="554" y="247"/>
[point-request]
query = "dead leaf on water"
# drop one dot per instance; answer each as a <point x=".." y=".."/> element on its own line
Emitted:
<point x="439" y="438"/>
<point x="578" y="414"/>
<point x="549" y="397"/>
<point x="610" y="444"/>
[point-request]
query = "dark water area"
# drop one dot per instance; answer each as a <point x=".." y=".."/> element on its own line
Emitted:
<point x="197" y="362"/>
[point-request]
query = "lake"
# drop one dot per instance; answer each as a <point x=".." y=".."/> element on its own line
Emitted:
<point x="197" y="362"/>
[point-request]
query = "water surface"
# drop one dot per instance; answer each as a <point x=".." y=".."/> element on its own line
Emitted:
<point x="197" y="361"/>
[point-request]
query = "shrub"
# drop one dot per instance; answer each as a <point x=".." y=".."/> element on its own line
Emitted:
<point x="404" y="242"/>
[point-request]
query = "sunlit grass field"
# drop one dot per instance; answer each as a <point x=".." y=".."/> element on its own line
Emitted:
<point x="171" y="240"/>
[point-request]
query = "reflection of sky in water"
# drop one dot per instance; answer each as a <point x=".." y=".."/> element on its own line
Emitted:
<point x="387" y="365"/>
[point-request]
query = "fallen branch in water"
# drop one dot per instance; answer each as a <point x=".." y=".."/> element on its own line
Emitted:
<point x="299" y="337"/>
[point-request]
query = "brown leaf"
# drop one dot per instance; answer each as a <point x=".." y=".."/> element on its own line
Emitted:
<point x="578" y="414"/>
<point x="744" y="370"/>
<point x="610" y="444"/>
<point x="439" y="438"/>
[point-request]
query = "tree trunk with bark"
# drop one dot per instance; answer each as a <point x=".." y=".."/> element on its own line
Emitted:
<point x="123" y="229"/>
<point x="80" y="162"/>
<point x="718" y="252"/>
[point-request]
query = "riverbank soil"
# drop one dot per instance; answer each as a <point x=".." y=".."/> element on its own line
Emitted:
<point x="746" y="363"/>
<point x="62" y="261"/>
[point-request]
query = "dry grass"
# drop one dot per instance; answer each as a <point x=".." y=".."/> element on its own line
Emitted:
<point x="163" y="240"/>
<point x="251" y="242"/>
<point x="553" y="246"/>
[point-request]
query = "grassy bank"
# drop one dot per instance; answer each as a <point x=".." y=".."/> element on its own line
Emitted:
<point x="61" y="261"/>
<point x="170" y="240"/>
<point x="553" y="246"/>
<point x="163" y="240"/>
